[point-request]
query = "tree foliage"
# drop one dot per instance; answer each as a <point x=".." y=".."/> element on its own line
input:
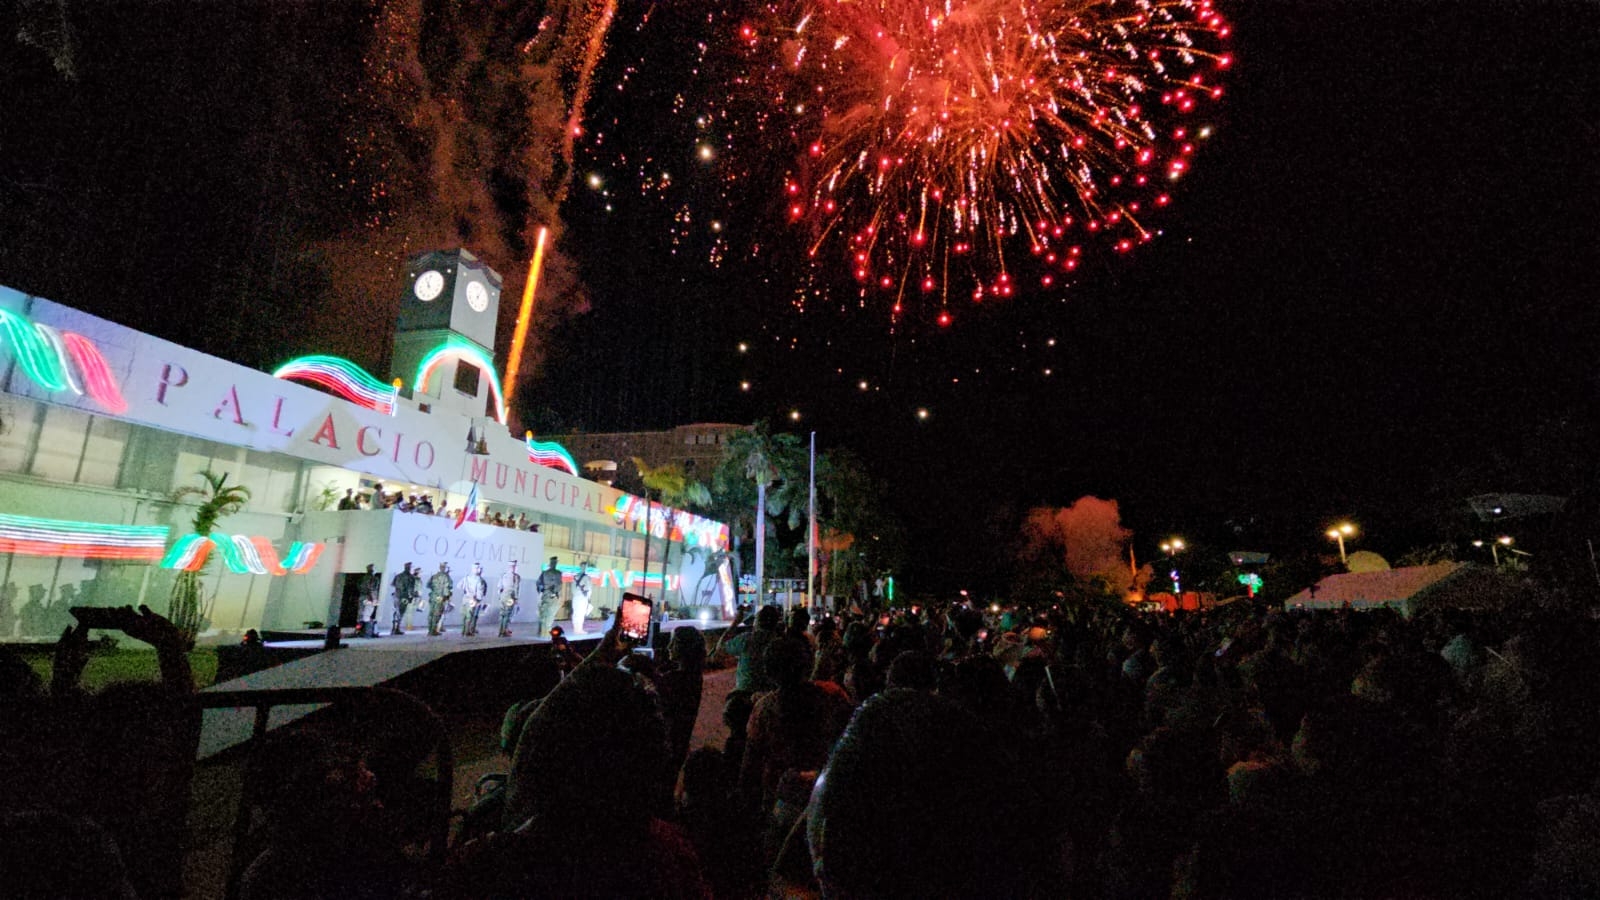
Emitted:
<point x="861" y="536"/>
<point x="753" y="459"/>
<point x="218" y="499"/>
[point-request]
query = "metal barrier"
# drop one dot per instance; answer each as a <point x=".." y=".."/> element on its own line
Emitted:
<point x="336" y="698"/>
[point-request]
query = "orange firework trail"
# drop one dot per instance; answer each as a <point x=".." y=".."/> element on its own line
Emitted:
<point x="594" y="51"/>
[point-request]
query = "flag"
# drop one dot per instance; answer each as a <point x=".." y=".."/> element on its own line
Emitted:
<point x="469" y="513"/>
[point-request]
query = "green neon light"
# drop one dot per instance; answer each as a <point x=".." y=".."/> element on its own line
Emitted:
<point x="32" y="352"/>
<point x="357" y="376"/>
<point x="458" y="348"/>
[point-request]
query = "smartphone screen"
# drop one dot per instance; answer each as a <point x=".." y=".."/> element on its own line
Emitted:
<point x="634" y="617"/>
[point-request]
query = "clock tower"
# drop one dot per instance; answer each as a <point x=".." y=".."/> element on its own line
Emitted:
<point x="449" y="297"/>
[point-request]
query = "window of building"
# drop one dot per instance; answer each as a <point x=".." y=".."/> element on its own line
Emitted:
<point x="19" y="429"/>
<point x="467" y="376"/>
<point x="61" y="441"/>
<point x="102" y="454"/>
<point x="556" y="536"/>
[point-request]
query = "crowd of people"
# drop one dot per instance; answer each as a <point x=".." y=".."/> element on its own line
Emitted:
<point x="1242" y="752"/>
<point x="422" y="504"/>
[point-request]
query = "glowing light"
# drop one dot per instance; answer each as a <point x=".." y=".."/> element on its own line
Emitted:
<point x="457" y="348"/>
<point x="344" y="378"/>
<point x="923" y="413"/>
<point x="550" y="454"/>
<point x="188" y="554"/>
<point x="632" y="512"/>
<point x="242" y="554"/>
<point x="102" y="385"/>
<point x="32" y="352"/>
<point x="29" y="536"/>
<point x="971" y="129"/>
<point x="54" y="360"/>
<point x="525" y="314"/>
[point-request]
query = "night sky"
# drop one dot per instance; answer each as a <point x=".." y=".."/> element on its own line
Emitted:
<point x="1374" y="296"/>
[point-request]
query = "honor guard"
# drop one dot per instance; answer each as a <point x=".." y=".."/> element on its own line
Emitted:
<point x="405" y="596"/>
<point x="549" y="596"/>
<point x="370" y="589"/>
<point x="582" y="590"/>
<point x="510" y="584"/>
<point x="473" y="591"/>
<point x="440" y="587"/>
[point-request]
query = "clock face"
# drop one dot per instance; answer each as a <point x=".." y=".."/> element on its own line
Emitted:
<point x="477" y="296"/>
<point x="429" y="285"/>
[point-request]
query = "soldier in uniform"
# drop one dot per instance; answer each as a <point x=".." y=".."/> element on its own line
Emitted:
<point x="473" y="590"/>
<point x="405" y="594"/>
<point x="510" y="584"/>
<point x="370" y="589"/>
<point x="582" y="590"/>
<point x="549" y="596"/>
<point x="440" y="587"/>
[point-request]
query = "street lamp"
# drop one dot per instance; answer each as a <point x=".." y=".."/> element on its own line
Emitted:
<point x="1172" y="548"/>
<point x="1503" y="540"/>
<point x="1339" y="533"/>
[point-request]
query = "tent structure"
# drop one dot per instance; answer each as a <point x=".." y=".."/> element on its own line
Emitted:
<point x="1409" y="589"/>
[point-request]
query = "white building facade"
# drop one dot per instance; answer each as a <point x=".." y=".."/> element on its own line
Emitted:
<point x="100" y="425"/>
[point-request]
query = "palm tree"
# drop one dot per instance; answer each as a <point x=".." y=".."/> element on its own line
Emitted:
<point x="761" y="458"/>
<point x="217" y="499"/>
<point x="677" y="491"/>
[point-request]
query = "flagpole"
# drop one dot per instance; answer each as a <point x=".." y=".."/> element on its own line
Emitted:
<point x="811" y="530"/>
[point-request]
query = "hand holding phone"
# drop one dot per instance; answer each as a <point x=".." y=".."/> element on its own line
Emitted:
<point x="633" y="618"/>
<point x="110" y="618"/>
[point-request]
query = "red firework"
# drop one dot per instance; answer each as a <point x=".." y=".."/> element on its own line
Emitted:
<point x="968" y="132"/>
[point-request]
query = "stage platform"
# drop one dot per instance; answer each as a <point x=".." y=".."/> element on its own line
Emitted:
<point x="370" y="662"/>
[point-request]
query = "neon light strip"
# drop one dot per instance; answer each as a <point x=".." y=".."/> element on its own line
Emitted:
<point x="48" y="356"/>
<point x="230" y="554"/>
<point x="344" y="378"/>
<point x="455" y="348"/>
<point x="665" y="522"/>
<point x="32" y="352"/>
<point x="188" y="554"/>
<point x="97" y="375"/>
<point x="243" y="555"/>
<point x="551" y="455"/>
<point x="268" y="556"/>
<point x="303" y="556"/>
<point x="28" y="536"/>
<point x="57" y="346"/>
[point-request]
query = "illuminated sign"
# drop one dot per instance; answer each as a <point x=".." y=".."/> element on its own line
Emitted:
<point x="631" y="513"/>
<point x="61" y="360"/>
<point x="27" y="536"/>
<point x="243" y="555"/>
<point x="456" y="348"/>
<point x="344" y="378"/>
<point x="550" y="454"/>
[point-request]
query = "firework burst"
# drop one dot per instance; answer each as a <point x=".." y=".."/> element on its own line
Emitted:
<point x="945" y="143"/>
